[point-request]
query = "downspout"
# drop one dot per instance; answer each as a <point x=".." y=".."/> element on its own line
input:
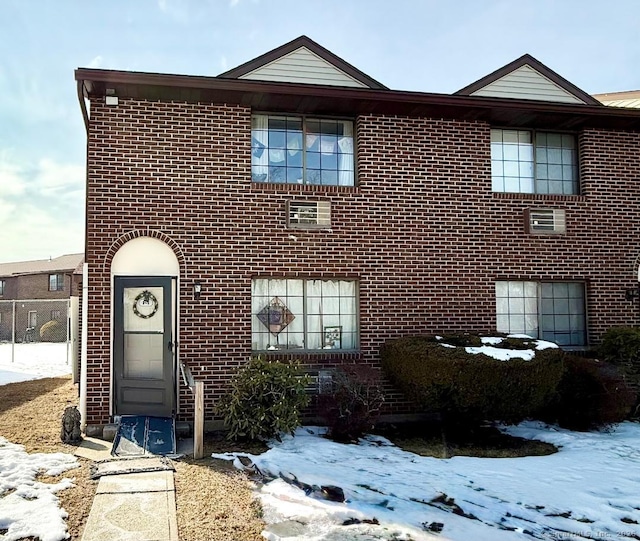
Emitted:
<point x="85" y="280"/>
<point x="83" y="348"/>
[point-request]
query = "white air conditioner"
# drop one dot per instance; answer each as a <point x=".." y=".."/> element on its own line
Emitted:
<point x="550" y="221"/>
<point x="309" y="214"/>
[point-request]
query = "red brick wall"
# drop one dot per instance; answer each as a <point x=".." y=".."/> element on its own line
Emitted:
<point x="422" y="232"/>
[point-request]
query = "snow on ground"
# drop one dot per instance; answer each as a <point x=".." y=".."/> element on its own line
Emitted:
<point x="29" y="507"/>
<point x="588" y="490"/>
<point x="33" y="361"/>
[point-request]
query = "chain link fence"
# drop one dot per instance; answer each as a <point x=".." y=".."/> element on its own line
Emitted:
<point x="37" y="321"/>
<point x="27" y="321"/>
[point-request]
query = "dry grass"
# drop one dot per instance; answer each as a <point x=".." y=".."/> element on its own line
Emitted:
<point x="30" y="415"/>
<point x="213" y="503"/>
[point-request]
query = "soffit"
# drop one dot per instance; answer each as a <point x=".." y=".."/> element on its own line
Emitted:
<point x="327" y="100"/>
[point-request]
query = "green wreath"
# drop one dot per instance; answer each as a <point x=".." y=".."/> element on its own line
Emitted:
<point x="147" y="296"/>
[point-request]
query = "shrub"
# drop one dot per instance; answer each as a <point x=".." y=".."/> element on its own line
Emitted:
<point x="621" y="347"/>
<point x="52" y="331"/>
<point x="265" y="400"/>
<point x="353" y="405"/>
<point x="591" y="394"/>
<point x="467" y="387"/>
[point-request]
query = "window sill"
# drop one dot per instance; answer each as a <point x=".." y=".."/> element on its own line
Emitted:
<point x="268" y="187"/>
<point x="538" y="196"/>
<point x="311" y="354"/>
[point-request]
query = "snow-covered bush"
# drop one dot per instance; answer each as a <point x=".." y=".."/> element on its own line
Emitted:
<point x="265" y="400"/>
<point x="352" y="406"/>
<point x="591" y="394"/>
<point x="468" y="378"/>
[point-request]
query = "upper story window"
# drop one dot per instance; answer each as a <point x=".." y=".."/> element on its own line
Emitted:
<point x="1" y="287"/>
<point x="526" y="161"/>
<point x="301" y="150"/>
<point x="56" y="282"/>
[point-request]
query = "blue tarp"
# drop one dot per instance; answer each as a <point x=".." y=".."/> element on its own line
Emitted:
<point x="143" y="435"/>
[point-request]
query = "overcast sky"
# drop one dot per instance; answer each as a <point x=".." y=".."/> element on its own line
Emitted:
<point x="422" y="45"/>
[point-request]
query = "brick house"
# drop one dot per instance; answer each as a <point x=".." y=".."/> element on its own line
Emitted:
<point x="46" y="279"/>
<point x="298" y="208"/>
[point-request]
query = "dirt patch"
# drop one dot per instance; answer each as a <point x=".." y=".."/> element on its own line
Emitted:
<point x="213" y="503"/>
<point x="482" y="442"/>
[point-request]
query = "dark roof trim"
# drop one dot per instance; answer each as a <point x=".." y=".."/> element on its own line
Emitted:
<point x="349" y="101"/>
<point x="302" y="41"/>
<point x="527" y="59"/>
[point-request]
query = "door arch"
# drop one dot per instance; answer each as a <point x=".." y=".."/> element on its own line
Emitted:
<point x="144" y="315"/>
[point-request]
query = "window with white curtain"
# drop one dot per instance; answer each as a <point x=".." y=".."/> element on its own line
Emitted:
<point x="552" y="311"/>
<point x="293" y="314"/>
<point x="526" y="161"/>
<point x="300" y="150"/>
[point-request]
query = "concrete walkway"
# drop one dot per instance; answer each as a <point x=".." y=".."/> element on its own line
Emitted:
<point x="131" y="506"/>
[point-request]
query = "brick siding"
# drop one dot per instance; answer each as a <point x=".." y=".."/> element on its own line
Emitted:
<point x="422" y="232"/>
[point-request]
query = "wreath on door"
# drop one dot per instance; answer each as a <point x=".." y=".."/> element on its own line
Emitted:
<point x="146" y="301"/>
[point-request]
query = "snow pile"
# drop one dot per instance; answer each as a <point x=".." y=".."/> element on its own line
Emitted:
<point x="586" y="490"/>
<point x="489" y="348"/>
<point x="33" y="361"/>
<point x="29" y="507"/>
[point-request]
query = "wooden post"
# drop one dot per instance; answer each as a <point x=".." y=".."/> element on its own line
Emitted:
<point x="198" y="423"/>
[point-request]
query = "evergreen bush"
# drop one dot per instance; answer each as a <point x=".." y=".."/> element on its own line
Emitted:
<point x="53" y="331"/>
<point x="591" y="395"/>
<point x="472" y="387"/>
<point x="265" y="400"/>
<point x="620" y="346"/>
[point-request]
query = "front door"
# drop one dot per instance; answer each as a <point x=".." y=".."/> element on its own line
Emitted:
<point x="143" y="346"/>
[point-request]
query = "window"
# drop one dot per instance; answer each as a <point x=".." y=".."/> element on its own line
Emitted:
<point x="56" y="314"/>
<point x="526" y="161"/>
<point x="1" y="287"/>
<point x="304" y="314"/>
<point x="549" y="310"/>
<point x="56" y="282"/>
<point x="300" y="150"/>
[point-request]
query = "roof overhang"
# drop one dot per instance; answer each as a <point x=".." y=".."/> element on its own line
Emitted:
<point x="331" y="100"/>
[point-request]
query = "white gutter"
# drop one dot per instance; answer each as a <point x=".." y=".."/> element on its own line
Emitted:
<point x="83" y="349"/>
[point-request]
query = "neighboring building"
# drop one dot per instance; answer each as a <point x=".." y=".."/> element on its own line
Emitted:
<point x="296" y="207"/>
<point x="45" y="279"/>
<point x="630" y="98"/>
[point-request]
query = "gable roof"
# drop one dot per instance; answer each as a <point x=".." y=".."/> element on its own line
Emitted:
<point x="64" y="263"/>
<point x="290" y="63"/>
<point x="528" y="78"/>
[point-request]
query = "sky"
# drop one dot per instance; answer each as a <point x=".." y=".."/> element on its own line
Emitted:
<point x="421" y="45"/>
